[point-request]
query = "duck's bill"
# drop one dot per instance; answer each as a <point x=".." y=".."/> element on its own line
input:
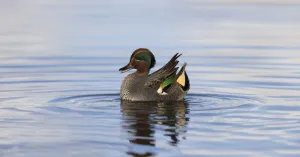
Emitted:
<point x="126" y="68"/>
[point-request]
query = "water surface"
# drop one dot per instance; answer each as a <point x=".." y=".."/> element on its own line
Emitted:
<point x="60" y="83"/>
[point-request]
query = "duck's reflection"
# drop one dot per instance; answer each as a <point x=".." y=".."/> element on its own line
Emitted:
<point x="142" y="119"/>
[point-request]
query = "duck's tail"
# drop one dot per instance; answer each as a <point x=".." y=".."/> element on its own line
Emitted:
<point x="183" y="79"/>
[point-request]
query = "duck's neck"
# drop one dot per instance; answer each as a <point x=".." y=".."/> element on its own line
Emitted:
<point x="142" y="68"/>
<point x="142" y="73"/>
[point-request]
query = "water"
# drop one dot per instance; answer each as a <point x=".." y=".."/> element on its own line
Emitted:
<point x="60" y="83"/>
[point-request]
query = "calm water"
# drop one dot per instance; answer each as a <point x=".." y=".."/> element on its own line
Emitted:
<point x="60" y="83"/>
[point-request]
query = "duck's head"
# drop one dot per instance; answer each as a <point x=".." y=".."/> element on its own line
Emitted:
<point x="141" y="59"/>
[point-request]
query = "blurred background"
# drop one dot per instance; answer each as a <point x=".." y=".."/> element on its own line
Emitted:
<point x="59" y="78"/>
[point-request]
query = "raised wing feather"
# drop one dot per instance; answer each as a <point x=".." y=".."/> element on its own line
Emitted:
<point x="157" y="77"/>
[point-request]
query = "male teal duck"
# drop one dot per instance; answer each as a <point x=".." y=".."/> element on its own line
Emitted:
<point x="165" y="84"/>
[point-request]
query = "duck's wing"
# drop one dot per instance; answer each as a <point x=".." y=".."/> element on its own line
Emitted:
<point x="175" y="83"/>
<point x="159" y="76"/>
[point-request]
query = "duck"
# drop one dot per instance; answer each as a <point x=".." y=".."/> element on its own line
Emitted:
<point x="165" y="84"/>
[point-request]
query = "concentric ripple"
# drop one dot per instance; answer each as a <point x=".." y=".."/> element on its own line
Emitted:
<point x="205" y="102"/>
<point x="158" y="127"/>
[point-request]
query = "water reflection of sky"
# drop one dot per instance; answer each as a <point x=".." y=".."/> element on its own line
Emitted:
<point x="40" y="27"/>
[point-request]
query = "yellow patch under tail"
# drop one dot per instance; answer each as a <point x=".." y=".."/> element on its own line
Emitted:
<point x="181" y="79"/>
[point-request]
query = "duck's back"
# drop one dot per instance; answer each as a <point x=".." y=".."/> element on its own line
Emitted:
<point x="133" y="89"/>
